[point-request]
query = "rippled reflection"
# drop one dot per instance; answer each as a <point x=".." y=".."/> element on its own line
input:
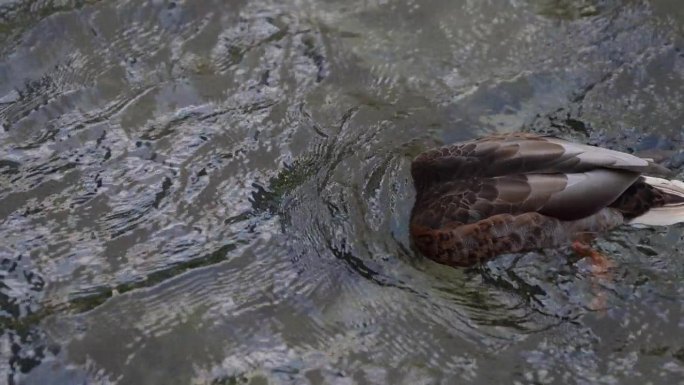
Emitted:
<point x="208" y="192"/>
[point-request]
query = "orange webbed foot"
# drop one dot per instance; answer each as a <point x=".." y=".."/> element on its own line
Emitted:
<point x="600" y="264"/>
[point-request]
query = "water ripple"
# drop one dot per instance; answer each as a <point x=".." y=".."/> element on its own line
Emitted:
<point x="201" y="192"/>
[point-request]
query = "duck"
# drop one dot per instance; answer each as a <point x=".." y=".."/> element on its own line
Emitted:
<point x="520" y="192"/>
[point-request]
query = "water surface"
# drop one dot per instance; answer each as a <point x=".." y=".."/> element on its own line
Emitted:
<point x="217" y="192"/>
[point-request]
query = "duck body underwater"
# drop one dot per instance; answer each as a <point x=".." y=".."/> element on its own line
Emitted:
<point x="519" y="192"/>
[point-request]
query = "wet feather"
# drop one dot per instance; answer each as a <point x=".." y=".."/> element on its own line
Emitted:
<point x="518" y="192"/>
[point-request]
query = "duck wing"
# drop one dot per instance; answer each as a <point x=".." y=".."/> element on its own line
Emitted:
<point x="520" y="153"/>
<point x="562" y="196"/>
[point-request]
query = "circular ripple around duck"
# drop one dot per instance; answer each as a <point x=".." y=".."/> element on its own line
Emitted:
<point x="347" y="226"/>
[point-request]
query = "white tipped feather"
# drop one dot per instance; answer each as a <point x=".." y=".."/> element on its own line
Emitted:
<point x="673" y="187"/>
<point x="668" y="214"/>
<point x="661" y="216"/>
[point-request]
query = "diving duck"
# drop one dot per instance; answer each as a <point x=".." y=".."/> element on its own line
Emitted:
<point x="518" y="192"/>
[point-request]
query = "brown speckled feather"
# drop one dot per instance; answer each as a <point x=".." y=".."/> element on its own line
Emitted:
<point x="518" y="192"/>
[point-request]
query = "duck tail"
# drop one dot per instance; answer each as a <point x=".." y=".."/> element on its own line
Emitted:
<point x="669" y="213"/>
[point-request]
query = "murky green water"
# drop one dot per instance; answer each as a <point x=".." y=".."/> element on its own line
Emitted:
<point x="210" y="192"/>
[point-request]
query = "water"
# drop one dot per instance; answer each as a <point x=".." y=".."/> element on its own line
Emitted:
<point x="210" y="192"/>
